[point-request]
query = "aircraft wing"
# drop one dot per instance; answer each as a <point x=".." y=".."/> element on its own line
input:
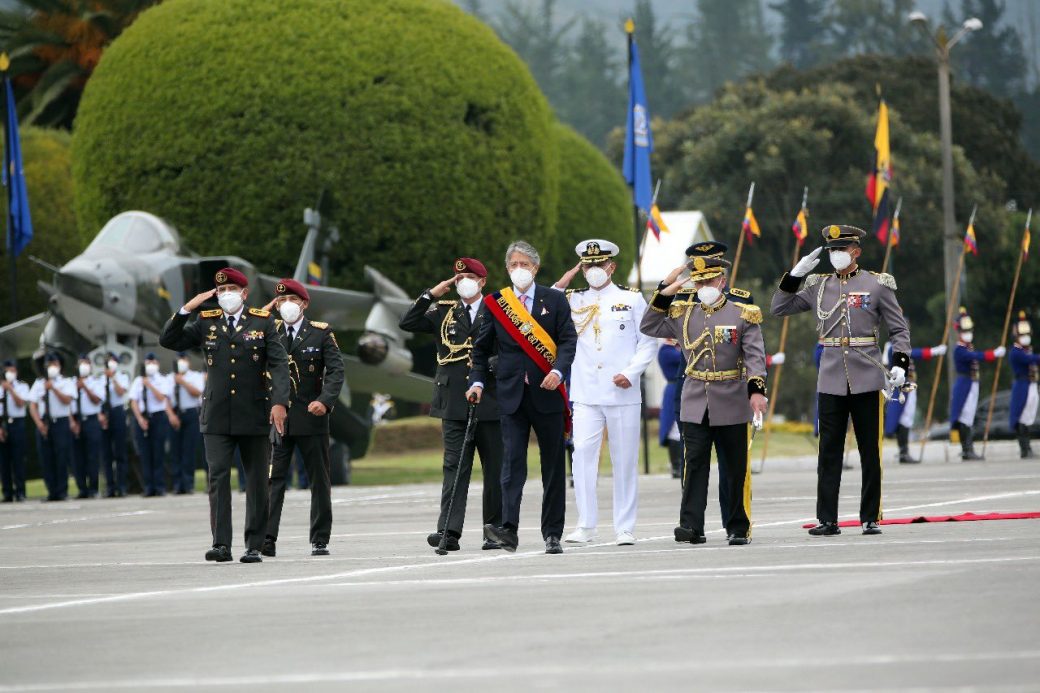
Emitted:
<point x="342" y="308"/>
<point x="410" y="387"/>
<point x="20" y="339"/>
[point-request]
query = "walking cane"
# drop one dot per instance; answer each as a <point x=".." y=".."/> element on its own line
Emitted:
<point x="467" y="438"/>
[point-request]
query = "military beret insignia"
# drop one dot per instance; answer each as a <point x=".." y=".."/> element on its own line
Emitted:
<point x="221" y="277"/>
<point x="460" y="266"/>
<point x="280" y="288"/>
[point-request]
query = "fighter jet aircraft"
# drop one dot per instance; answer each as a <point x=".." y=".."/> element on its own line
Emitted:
<point x="116" y="296"/>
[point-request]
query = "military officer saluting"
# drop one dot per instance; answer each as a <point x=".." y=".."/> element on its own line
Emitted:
<point x="611" y="356"/>
<point x="454" y="324"/>
<point x="242" y="348"/>
<point x="725" y="387"/>
<point x="316" y="378"/>
<point x="849" y="306"/>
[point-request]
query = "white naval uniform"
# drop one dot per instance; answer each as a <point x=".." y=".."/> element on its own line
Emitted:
<point x="609" y="343"/>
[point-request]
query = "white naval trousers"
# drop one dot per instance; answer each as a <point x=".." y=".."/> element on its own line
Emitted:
<point x="622" y="424"/>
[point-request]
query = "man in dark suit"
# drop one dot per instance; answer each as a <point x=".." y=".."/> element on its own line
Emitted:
<point x="242" y="349"/>
<point x="532" y="328"/>
<point x="316" y="374"/>
<point x="454" y="325"/>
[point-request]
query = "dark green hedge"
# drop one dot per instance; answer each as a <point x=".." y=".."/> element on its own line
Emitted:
<point x="48" y="175"/>
<point x="228" y="117"/>
<point x="594" y="203"/>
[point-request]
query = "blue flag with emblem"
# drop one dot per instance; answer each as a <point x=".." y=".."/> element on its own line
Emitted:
<point x="638" y="141"/>
<point x="19" y="221"/>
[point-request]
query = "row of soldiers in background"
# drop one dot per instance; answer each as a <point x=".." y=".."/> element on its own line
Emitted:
<point x="82" y="423"/>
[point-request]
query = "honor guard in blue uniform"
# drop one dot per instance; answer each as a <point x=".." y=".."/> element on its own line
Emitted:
<point x="1024" y="396"/>
<point x="86" y="439"/>
<point x="14" y="402"/>
<point x="669" y="359"/>
<point x="316" y="378"/>
<point x="899" y="413"/>
<point x="964" y="399"/>
<point x="455" y="323"/>
<point x="247" y="389"/>
<point x="186" y="394"/>
<point x="150" y="396"/>
<point x="52" y="397"/>
<point x="113" y="428"/>
<point x="849" y="306"/>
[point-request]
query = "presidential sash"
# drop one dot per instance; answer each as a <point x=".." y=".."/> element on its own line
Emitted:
<point x="518" y="322"/>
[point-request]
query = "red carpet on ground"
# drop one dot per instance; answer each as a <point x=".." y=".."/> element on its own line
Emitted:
<point x="963" y="517"/>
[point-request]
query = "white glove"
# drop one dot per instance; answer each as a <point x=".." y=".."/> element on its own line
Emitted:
<point x="806" y="264"/>
<point x="778" y="358"/>
<point x="939" y="350"/>
<point x="756" y="420"/>
<point x="999" y="352"/>
<point x="896" y="376"/>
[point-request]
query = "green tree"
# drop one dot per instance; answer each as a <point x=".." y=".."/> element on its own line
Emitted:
<point x="56" y="240"/>
<point x="595" y="100"/>
<point x="991" y="58"/>
<point x="665" y="93"/>
<point x="858" y="27"/>
<point x="801" y="31"/>
<point x="728" y="41"/>
<point x="435" y="147"/>
<point x="534" y="35"/>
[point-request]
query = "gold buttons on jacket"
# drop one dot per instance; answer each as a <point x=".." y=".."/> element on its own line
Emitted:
<point x="233" y="392"/>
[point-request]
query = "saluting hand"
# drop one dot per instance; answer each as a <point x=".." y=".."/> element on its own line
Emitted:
<point x="444" y="286"/>
<point x="675" y="279"/>
<point x="199" y="300"/>
<point x="568" y="277"/>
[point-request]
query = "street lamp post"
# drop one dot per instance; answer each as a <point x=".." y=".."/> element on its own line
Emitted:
<point x="952" y="247"/>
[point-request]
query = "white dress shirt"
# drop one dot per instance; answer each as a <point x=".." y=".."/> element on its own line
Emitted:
<point x="13" y="411"/>
<point x="162" y="382"/>
<point x="50" y="404"/>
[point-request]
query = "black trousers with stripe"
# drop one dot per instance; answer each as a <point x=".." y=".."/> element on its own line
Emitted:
<point x="867" y="410"/>
<point x="731" y="444"/>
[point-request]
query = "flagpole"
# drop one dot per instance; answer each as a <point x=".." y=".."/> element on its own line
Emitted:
<point x="740" y="242"/>
<point x="1003" y="335"/>
<point x="891" y="232"/>
<point x="5" y="63"/>
<point x="945" y="336"/>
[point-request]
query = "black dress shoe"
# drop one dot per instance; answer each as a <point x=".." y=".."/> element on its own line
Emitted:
<point x="490" y="545"/>
<point x="971" y="455"/>
<point x="825" y="529"/>
<point x="251" y="556"/>
<point x="268" y="549"/>
<point x="871" y="528"/>
<point x="82" y="494"/>
<point x="685" y="535"/>
<point x="505" y="537"/>
<point x="7" y="500"/>
<point x="452" y="543"/>
<point x="552" y="545"/>
<point x="739" y="541"/>
<point x="320" y="549"/>
<point x="219" y="553"/>
<point x="907" y="459"/>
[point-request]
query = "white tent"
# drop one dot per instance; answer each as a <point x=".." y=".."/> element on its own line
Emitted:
<point x="662" y="256"/>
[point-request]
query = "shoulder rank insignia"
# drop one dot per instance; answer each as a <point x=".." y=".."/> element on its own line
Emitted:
<point x="813" y="279"/>
<point x="739" y="293"/>
<point x="319" y="325"/>
<point x="627" y="288"/>
<point x="688" y="291"/>
<point x="260" y="312"/>
<point x="749" y="312"/>
<point x="576" y="291"/>
<point x="678" y="308"/>
<point x="215" y="313"/>
<point x="446" y="302"/>
<point x="885" y="279"/>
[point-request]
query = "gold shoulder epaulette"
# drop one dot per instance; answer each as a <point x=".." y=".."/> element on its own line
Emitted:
<point x="677" y="308"/>
<point x="688" y="291"/>
<point x="739" y="293"/>
<point x="215" y="313"/>
<point x="749" y="312"/>
<point x="812" y="279"/>
<point x="885" y="279"/>
<point x="568" y="292"/>
<point x="627" y="288"/>
<point x="260" y="312"/>
<point x="319" y="325"/>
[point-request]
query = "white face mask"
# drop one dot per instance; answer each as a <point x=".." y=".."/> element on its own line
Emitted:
<point x="230" y="301"/>
<point x="467" y="288"/>
<point x="1025" y="340"/>
<point x="84" y="370"/>
<point x="112" y="365"/>
<point x="9" y="376"/>
<point x="53" y="371"/>
<point x="840" y="259"/>
<point x="521" y="278"/>
<point x="597" y="277"/>
<point x="290" y="311"/>
<point x="151" y="368"/>
<point x="708" y="295"/>
<point x="967" y="337"/>
<point x="182" y="366"/>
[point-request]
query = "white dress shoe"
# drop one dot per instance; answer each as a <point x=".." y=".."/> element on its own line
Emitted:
<point x="581" y="536"/>
<point x="625" y="539"/>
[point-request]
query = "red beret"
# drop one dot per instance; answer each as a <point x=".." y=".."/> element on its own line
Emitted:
<point x="291" y="286"/>
<point x="230" y="275"/>
<point x="468" y="264"/>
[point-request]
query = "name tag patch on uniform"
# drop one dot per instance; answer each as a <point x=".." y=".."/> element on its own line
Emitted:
<point x="859" y="299"/>
<point x="726" y="334"/>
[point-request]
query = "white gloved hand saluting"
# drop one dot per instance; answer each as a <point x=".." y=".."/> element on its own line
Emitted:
<point x="896" y="376"/>
<point x="939" y="350"/>
<point x="778" y="358"/>
<point x="999" y="352"/>
<point x="806" y="264"/>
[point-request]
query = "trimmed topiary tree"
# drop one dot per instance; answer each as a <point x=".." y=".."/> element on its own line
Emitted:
<point x="227" y="118"/>
<point x="594" y="202"/>
<point x="48" y="176"/>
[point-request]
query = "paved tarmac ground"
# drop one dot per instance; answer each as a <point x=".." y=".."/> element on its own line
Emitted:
<point x="114" y="594"/>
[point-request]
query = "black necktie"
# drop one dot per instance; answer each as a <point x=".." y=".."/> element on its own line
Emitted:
<point x="144" y="396"/>
<point x="5" y="404"/>
<point x="46" y="405"/>
<point x="176" y="397"/>
<point x="231" y="322"/>
<point x="289" y="334"/>
<point x="108" y="394"/>
<point x="79" y="403"/>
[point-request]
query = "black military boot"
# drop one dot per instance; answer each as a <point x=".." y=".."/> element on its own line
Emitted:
<point x="967" y="442"/>
<point x="675" y="457"/>
<point x="903" y="438"/>
<point x="1025" y="450"/>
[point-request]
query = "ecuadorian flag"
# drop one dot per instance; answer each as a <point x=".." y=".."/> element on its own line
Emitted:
<point x="881" y="175"/>
<point x="800" y="227"/>
<point x="655" y="222"/>
<point x="969" y="240"/>
<point x="750" y="225"/>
